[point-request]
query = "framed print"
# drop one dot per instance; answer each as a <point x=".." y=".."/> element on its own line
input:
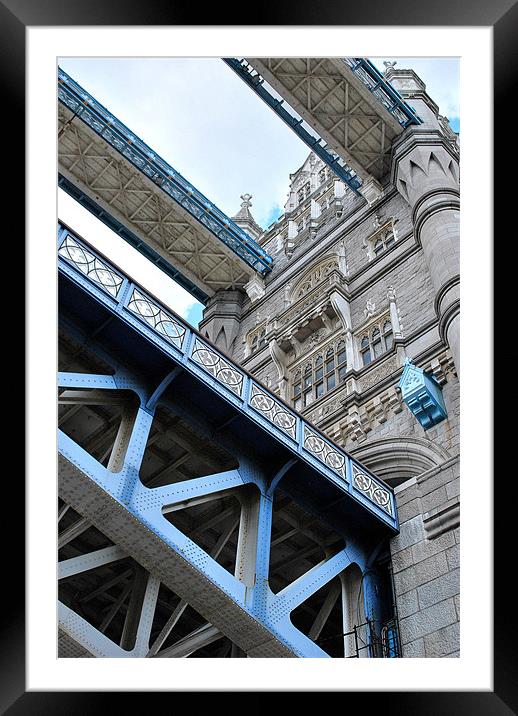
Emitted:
<point x="264" y="461"/>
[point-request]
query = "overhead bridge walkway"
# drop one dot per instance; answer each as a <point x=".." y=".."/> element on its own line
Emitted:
<point x="307" y="513"/>
<point x="342" y="108"/>
<point x="128" y="186"/>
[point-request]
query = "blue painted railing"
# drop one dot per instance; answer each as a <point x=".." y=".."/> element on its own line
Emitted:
<point x="383" y="90"/>
<point x="161" y="326"/>
<point x="141" y="156"/>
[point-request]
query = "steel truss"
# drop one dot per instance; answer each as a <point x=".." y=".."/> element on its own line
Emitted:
<point x="112" y="172"/>
<point x="168" y="363"/>
<point x="354" y="111"/>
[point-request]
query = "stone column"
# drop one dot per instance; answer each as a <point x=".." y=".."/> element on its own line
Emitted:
<point x="221" y="319"/>
<point x="425" y="171"/>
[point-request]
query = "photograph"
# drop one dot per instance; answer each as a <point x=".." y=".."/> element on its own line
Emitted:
<point x="259" y="357"/>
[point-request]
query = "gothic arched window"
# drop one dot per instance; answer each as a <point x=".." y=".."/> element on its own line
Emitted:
<point x="382" y="241"/>
<point x="323" y="373"/>
<point x="388" y="335"/>
<point x="379" y="340"/>
<point x="365" y="350"/>
<point x="258" y="340"/>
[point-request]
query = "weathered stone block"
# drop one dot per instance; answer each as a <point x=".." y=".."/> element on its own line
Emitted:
<point x="407" y="604"/>
<point x="428" y="621"/>
<point x="406" y="492"/>
<point x="434" y="499"/>
<point x="453" y="557"/>
<point x="453" y="488"/>
<point x="411" y="532"/>
<point x="411" y="509"/>
<point x="427" y="548"/>
<point x="428" y="569"/>
<point x="447" y="585"/>
<point x="414" y="650"/>
<point x="402" y="560"/>
<point x="443" y="642"/>
<point x="435" y="480"/>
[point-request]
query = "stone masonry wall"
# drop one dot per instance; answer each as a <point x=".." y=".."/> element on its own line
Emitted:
<point x="425" y="560"/>
<point x="369" y="418"/>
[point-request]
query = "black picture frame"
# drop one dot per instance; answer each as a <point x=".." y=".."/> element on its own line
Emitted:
<point x="502" y="15"/>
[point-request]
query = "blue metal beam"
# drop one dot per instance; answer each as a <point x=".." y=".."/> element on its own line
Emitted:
<point x="143" y="158"/>
<point x="383" y="90"/>
<point x="256" y="82"/>
<point x="187" y="348"/>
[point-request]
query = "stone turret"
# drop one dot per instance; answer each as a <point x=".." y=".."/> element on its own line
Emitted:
<point x="245" y="220"/>
<point x="425" y="171"/>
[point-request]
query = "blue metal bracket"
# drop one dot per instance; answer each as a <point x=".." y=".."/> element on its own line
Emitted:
<point x="256" y="82"/>
<point x="423" y="395"/>
<point x="383" y="90"/>
<point x="143" y="158"/>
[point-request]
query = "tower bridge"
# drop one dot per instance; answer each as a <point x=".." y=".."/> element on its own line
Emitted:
<point x="211" y="499"/>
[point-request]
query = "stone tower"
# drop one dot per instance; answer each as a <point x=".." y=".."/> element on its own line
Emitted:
<point x="356" y="290"/>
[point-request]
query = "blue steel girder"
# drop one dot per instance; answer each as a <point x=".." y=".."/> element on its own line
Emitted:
<point x="383" y="90"/>
<point x="132" y="515"/>
<point x="346" y="102"/>
<point x="143" y="159"/>
<point x="195" y="354"/>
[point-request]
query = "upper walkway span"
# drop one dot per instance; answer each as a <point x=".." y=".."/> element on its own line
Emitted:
<point x="120" y="179"/>
<point x="355" y="113"/>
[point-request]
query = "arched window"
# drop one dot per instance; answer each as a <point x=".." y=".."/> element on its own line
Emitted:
<point x="380" y="242"/>
<point x="377" y="349"/>
<point x="258" y="340"/>
<point x="322" y="374"/>
<point x="322" y="175"/>
<point x="365" y="350"/>
<point x="390" y="239"/>
<point x="378" y="341"/>
<point x="319" y="382"/>
<point x="307" y="385"/>
<point x="388" y="335"/>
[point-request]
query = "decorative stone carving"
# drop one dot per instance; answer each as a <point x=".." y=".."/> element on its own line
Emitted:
<point x="315" y="276"/>
<point x="371" y="190"/>
<point x="370" y="308"/>
<point x="255" y="288"/>
<point x="424" y="168"/>
<point x="361" y="419"/>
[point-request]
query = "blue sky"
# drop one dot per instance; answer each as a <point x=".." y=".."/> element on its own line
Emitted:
<point x="202" y="119"/>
